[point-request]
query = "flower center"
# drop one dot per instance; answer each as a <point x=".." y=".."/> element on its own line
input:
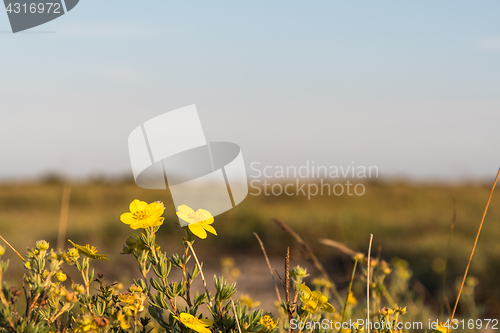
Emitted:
<point x="190" y="321"/>
<point x="197" y="217"/>
<point x="141" y="215"/>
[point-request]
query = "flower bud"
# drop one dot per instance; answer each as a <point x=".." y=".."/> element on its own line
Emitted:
<point x="53" y="255"/>
<point x="135" y="289"/>
<point x="84" y="320"/>
<point x="101" y="321"/>
<point x="71" y="297"/>
<point x="386" y="311"/>
<point x="78" y="288"/>
<point x="60" y="276"/>
<point x="2" y="250"/>
<point x="126" y="250"/>
<point x="73" y="253"/>
<point x="60" y="291"/>
<point x="131" y="241"/>
<point x="359" y="256"/>
<point x="15" y="292"/>
<point x="299" y="272"/>
<point x="385" y="267"/>
<point x="42" y="245"/>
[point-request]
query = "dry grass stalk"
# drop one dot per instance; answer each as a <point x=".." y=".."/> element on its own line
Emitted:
<point x="368" y="284"/>
<point x="201" y="273"/>
<point x="236" y="316"/>
<point x="339" y="246"/>
<point x="473" y="249"/>
<point x="269" y="266"/>
<point x="287" y="287"/>
<point x="13" y="249"/>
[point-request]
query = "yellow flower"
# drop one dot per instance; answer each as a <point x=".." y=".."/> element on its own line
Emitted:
<point x="126" y="298"/>
<point x="122" y="321"/>
<point x="89" y="251"/>
<point x="198" y="221"/>
<point x="313" y="301"/>
<point x="60" y="276"/>
<point x="248" y="301"/>
<point x="135" y="301"/>
<point x="199" y="325"/>
<point x="268" y="322"/>
<point x="142" y="215"/>
<point x="351" y="299"/>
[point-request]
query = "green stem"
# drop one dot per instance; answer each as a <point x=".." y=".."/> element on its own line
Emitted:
<point x="188" y="283"/>
<point x="348" y="293"/>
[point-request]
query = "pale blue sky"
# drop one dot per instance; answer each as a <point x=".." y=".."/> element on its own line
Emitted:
<point x="411" y="87"/>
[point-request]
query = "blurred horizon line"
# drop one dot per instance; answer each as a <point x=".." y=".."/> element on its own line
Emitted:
<point x="123" y="178"/>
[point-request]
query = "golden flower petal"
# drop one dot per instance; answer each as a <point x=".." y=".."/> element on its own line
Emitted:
<point x="328" y="307"/>
<point x="205" y="216"/>
<point x="320" y="297"/>
<point x="138" y="206"/>
<point x="209" y="228"/>
<point x="185" y="211"/>
<point x="306" y="290"/>
<point x="206" y="322"/>
<point x="127" y="218"/>
<point x="137" y="225"/>
<point x="197" y="229"/>
<point x="155" y="209"/>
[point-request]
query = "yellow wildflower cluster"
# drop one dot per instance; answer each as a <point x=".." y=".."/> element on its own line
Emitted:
<point x="143" y="215"/>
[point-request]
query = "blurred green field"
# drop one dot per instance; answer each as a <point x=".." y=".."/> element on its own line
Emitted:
<point x="408" y="220"/>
